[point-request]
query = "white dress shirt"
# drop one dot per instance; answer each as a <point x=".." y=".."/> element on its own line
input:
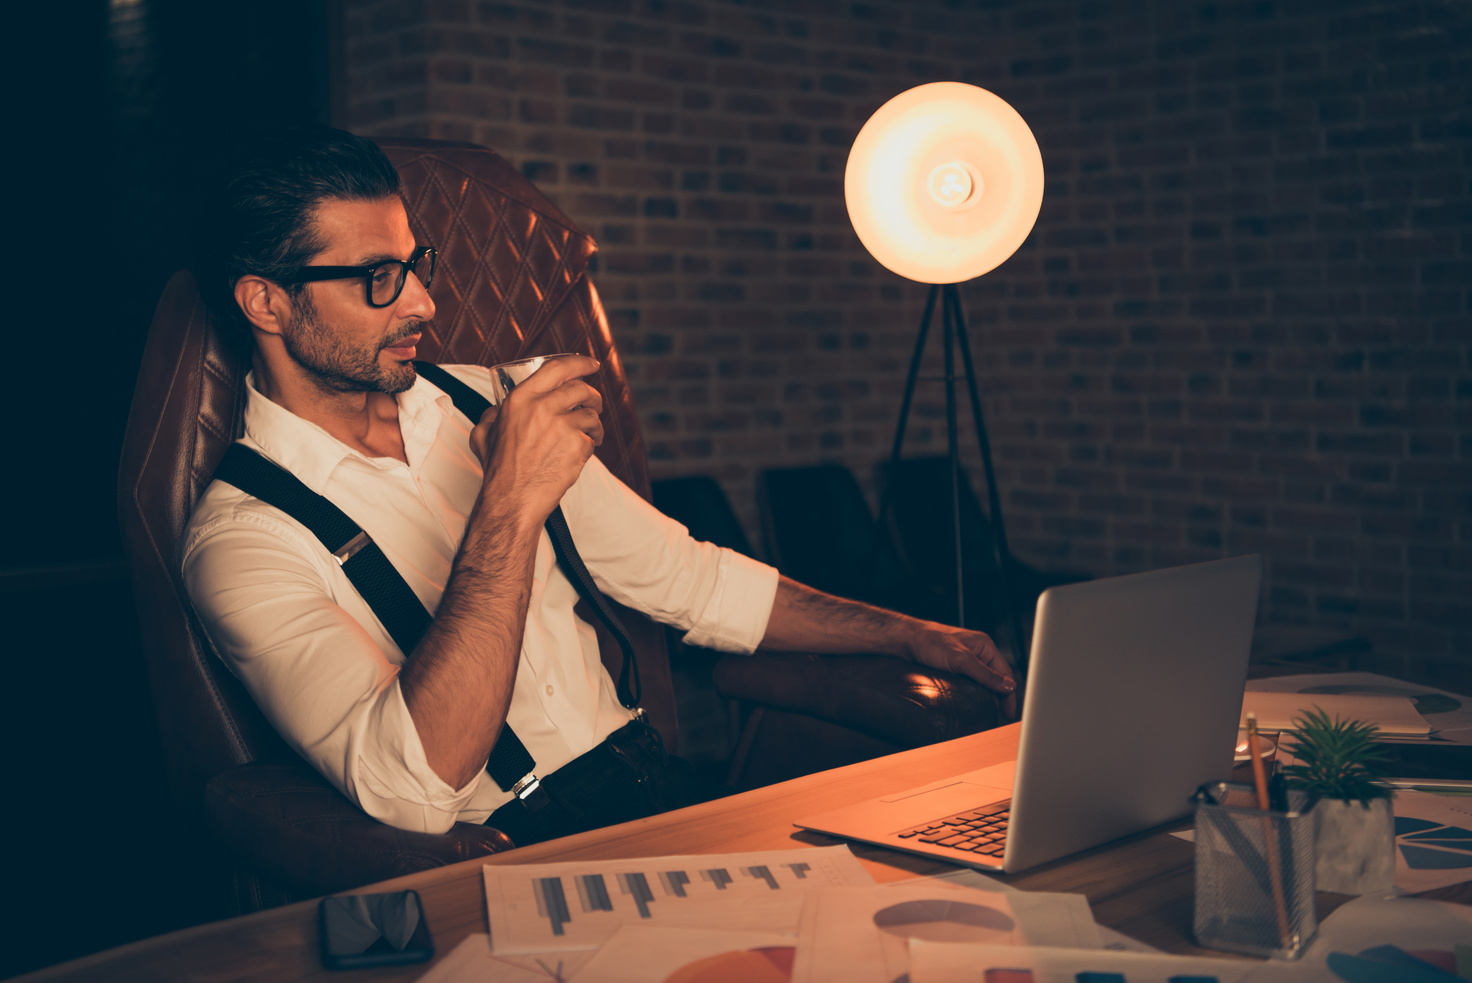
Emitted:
<point x="289" y="624"/>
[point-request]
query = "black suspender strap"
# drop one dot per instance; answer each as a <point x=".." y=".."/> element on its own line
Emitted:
<point x="473" y="405"/>
<point x="370" y="572"/>
<point x="403" y="616"/>
<point x="629" y="687"/>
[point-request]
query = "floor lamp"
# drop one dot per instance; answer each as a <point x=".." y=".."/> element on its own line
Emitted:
<point x="944" y="183"/>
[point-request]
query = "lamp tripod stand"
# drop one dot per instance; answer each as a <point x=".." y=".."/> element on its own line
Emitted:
<point x="954" y="334"/>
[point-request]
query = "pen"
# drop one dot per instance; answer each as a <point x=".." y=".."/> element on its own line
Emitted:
<point x="1278" y="796"/>
<point x="1275" y="874"/>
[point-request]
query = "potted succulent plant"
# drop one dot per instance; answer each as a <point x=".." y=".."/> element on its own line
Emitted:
<point x="1339" y="763"/>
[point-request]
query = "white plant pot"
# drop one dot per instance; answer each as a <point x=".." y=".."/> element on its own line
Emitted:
<point x="1356" y="846"/>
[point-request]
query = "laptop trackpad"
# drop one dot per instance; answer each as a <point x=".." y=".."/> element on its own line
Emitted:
<point x="948" y="799"/>
<point x="998" y="778"/>
<point x="880" y="817"/>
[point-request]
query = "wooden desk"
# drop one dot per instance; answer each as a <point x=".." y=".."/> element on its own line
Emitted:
<point x="1141" y="885"/>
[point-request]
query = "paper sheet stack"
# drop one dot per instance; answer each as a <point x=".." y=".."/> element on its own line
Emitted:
<point x="815" y="916"/>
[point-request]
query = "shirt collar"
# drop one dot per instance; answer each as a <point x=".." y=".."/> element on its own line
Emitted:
<point x="312" y="454"/>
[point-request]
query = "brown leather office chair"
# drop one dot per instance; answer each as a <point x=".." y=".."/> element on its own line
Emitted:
<point x="511" y="281"/>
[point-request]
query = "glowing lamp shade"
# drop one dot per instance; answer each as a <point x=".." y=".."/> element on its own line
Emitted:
<point x="944" y="182"/>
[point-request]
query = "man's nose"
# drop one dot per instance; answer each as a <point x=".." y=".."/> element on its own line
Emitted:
<point x="415" y="301"/>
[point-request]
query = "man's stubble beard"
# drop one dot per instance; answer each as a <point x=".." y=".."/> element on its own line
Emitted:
<point x="339" y="367"/>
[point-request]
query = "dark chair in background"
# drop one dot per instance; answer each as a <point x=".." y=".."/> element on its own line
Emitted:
<point x="512" y="281"/>
<point x="919" y="521"/>
<point x="700" y="505"/>
<point x="804" y="713"/>
<point x="818" y="529"/>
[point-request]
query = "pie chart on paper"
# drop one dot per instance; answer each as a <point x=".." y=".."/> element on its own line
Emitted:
<point x="945" y="921"/>
<point x="1428" y="845"/>
<point x="770" y="964"/>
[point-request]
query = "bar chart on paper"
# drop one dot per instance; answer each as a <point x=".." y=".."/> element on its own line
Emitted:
<point x="578" y="905"/>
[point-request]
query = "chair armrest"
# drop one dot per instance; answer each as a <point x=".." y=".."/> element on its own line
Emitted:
<point x="287" y="821"/>
<point x="892" y="699"/>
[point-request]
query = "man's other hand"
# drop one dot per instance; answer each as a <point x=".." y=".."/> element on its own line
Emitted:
<point x="534" y="445"/>
<point x="967" y="653"/>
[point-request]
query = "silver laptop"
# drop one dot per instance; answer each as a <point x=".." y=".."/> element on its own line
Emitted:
<point x="1132" y="702"/>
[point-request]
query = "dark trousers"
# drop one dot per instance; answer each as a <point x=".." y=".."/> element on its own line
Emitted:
<point x="628" y="776"/>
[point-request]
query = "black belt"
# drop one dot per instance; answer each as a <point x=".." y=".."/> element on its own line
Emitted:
<point x="391" y="599"/>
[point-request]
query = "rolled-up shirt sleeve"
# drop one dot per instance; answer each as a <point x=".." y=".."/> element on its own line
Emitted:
<point x="647" y="561"/>
<point x="267" y="605"/>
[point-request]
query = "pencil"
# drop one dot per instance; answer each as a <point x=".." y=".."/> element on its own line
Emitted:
<point x="1260" y="778"/>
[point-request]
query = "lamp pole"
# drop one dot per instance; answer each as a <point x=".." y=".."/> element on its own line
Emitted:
<point x="954" y="334"/>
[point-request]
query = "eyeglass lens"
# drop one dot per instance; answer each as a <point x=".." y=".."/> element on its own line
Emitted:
<point x="387" y="281"/>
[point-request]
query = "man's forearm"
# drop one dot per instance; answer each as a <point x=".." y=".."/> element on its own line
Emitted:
<point x="458" y="683"/>
<point x="532" y="447"/>
<point x="807" y="620"/>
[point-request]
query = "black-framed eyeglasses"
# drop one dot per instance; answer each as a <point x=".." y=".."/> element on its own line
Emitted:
<point x="383" y="281"/>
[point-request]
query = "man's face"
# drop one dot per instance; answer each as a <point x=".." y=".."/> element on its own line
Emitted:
<point x="345" y="344"/>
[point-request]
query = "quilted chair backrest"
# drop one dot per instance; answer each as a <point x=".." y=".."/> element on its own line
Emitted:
<point x="511" y="281"/>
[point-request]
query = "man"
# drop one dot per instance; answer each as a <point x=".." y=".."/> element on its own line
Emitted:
<point x="310" y="251"/>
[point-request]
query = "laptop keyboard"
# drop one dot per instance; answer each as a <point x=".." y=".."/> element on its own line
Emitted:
<point x="981" y="831"/>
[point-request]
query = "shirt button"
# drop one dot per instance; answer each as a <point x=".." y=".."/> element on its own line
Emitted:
<point x="549" y="689"/>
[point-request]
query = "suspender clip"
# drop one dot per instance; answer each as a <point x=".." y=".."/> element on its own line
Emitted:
<point x="530" y="793"/>
<point x="345" y="553"/>
<point x="526" y="786"/>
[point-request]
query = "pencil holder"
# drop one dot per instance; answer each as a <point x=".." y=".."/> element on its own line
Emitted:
<point x="1254" y="874"/>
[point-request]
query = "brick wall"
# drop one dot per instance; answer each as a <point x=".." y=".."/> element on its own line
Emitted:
<point x="1241" y="323"/>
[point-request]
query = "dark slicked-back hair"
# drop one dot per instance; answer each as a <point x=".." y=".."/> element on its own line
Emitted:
<point x="258" y="219"/>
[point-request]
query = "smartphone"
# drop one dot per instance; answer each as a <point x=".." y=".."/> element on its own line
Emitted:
<point x="360" y="930"/>
<point x="1423" y="764"/>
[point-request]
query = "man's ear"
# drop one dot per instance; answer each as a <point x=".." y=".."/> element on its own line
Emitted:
<point x="264" y="303"/>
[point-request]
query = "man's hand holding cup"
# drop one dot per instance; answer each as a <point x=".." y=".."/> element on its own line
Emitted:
<point x="542" y="426"/>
